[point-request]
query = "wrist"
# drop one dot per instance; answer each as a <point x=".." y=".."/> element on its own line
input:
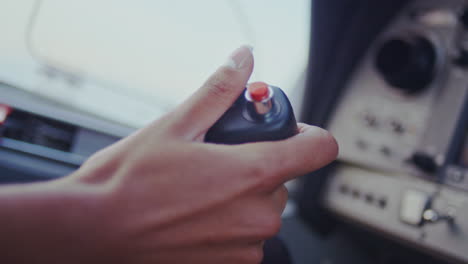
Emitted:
<point x="61" y="212"/>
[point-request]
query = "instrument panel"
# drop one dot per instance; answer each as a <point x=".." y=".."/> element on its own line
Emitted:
<point x="402" y="129"/>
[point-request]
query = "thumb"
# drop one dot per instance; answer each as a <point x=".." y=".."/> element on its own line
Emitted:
<point x="196" y="115"/>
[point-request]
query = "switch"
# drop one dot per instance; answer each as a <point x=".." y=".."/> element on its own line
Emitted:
<point x="344" y="189"/>
<point x="413" y="205"/>
<point x="397" y="127"/>
<point x="386" y="151"/>
<point x="382" y="202"/>
<point x="361" y="144"/>
<point x="431" y="216"/>
<point x="424" y="162"/>
<point x="369" y="119"/>
<point x="369" y="198"/>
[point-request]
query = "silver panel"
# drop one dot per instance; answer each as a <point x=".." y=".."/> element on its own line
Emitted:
<point x="375" y="185"/>
<point x="437" y="238"/>
<point x="363" y="122"/>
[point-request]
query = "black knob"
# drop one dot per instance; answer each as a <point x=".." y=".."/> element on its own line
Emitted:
<point x="407" y="63"/>
<point x="424" y="162"/>
<point x="464" y="18"/>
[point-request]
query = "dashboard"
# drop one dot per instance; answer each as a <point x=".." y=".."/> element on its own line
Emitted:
<point x="401" y="123"/>
<point x="43" y="140"/>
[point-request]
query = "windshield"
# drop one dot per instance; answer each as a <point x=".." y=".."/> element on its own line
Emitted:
<point x="131" y="61"/>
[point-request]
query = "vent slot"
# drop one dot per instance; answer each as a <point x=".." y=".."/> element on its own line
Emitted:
<point x="38" y="130"/>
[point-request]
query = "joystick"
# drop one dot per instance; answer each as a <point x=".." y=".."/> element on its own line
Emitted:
<point x="261" y="113"/>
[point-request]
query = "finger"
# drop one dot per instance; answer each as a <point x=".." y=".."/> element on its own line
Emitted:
<point x="284" y="160"/>
<point x="219" y="92"/>
<point x="280" y="198"/>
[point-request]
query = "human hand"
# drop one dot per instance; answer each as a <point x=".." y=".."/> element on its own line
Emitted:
<point x="162" y="195"/>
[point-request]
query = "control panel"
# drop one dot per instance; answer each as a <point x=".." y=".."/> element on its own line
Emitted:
<point x="42" y="140"/>
<point x="401" y="124"/>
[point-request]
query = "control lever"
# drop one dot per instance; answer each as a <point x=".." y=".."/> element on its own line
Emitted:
<point x="424" y="162"/>
<point x="432" y="216"/>
<point x="417" y="209"/>
<point x="261" y="113"/>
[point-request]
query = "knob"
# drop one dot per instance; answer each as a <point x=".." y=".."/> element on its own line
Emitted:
<point x="407" y="63"/>
<point x="425" y="162"/>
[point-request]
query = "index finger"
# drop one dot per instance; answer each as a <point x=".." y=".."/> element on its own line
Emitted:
<point x="197" y="114"/>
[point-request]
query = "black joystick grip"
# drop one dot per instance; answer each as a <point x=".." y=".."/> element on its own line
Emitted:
<point x="261" y="113"/>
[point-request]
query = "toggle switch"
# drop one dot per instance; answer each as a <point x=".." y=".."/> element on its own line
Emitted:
<point x="431" y="216"/>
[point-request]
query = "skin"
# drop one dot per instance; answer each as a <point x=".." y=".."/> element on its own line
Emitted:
<point x="162" y="195"/>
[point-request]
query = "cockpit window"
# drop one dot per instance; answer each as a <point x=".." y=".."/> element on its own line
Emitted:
<point x="130" y="61"/>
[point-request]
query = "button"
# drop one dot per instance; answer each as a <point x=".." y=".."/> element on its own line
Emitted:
<point x="260" y="96"/>
<point x="258" y="91"/>
<point x="344" y="189"/>
<point x="356" y="194"/>
<point x="369" y="197"/>
<point x="386" y="151"/>
<point x="397" y="127"/>
<point x="369" y="119"/>
<point x="413" y="205"/>
<point x="361" y="144"/>
<point x="382" y="202"/>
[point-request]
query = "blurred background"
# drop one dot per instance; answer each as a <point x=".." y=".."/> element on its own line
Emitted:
<point x="131" y="61"/>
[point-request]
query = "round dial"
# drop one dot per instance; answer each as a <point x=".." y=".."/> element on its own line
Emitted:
<point x="407" y="63"/>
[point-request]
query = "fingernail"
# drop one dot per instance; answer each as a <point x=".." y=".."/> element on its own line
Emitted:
<point x="239" y="57"/>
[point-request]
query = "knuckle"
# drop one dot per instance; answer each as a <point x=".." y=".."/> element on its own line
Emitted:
<point x="226" y="71"/>
<point x="266" y="169"/>
<point x="220" y="87"/>
<point x="283" y="200"/>
<point x="334" y="148"/>
<point x="271" y="227"/>
<point x="328" y="140"/>
<point x="261" y="173"/>
<point x="284" y="194"/>
<point x="254" y="255"/>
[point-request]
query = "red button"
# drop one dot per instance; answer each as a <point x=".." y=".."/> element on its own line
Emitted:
<point x="258" y="91"/>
